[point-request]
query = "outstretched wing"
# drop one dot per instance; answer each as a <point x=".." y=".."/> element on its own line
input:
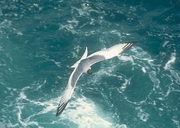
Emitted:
<point x="84" y="65"/>
<point x="64" y="100"/>
<point x="66" y="96"/>
<point x="107" y="53"/>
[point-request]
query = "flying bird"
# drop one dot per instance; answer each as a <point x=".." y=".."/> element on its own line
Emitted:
<point x="84" y="66"/>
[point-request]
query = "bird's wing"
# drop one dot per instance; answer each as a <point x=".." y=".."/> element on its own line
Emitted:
<point x="83" y="57"/>
<point x="107" y="53"/>
<point x="83" y="65"/>
<point x="66" y="96"/>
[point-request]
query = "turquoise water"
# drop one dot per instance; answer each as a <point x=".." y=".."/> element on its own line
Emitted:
<point x="40" y="40"/>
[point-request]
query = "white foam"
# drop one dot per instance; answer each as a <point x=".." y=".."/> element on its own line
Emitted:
<point x="171" y="61"/>
<point x="165" y="43"/>
<point x="154" y="79"/>
<point x="69" y="27"/>
<point x="176" y="122"/>
<point x="124" y="85"/>
<point x="143" y="69"/>
<point x="142" y="114"/>
<point x="126" y="58"/>
<point x="22" y="95"/>
<point x="84" y="113"/>
<point x="175" y="74"/>
<point x="122" y="126"/>
<point x="80" y="111"/>
<point x="47" y="106"/>
<point x="116" y="33"/>
<point x="2" y="125"/>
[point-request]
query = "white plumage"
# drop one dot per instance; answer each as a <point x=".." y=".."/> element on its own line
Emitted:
<point x="84" y="64"/>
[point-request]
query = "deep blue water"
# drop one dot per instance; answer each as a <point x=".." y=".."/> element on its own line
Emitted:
<point x="40" y="40"/>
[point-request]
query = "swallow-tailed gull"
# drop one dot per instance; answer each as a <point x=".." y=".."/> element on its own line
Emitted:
<point x="84" y="66"/>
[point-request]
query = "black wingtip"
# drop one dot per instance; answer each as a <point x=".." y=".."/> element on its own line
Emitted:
<point x="58" y="113"/>
<point x="128" y="45"/>
<point x="132" y="42"/>
<point x="61" y="108"/>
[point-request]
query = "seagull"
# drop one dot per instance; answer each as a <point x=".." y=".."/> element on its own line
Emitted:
<point x="84" y="66"/>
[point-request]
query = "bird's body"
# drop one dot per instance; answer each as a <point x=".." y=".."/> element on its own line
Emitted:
<point x="84" y="66"/>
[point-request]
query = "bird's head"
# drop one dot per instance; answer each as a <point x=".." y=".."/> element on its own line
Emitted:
<point x="89" y="71"/>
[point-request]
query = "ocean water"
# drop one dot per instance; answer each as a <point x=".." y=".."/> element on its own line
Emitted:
<point x="40" y="40"/>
